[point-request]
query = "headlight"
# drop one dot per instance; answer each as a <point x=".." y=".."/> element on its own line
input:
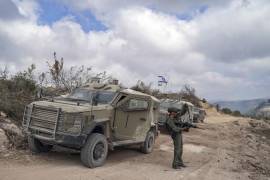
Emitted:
<point x="70" y="123"/>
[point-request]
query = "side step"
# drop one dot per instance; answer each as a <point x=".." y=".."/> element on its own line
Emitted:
<point x="125" y="142"/>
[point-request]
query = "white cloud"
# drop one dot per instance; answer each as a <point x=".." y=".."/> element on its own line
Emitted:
<point x="27" y="8"/>
<point x="222" y="52"/>
<point x="162" y="32"/>
<point x="236" y="33"/>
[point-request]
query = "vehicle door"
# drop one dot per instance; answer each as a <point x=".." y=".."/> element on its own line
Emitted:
<point x="131" y="119"/>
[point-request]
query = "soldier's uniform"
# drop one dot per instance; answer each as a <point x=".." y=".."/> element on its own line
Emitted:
<point x="176" y="134"/>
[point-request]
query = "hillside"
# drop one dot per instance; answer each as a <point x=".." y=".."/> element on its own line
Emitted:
<point x="244" y="106"/>
<point x="262" y="111"/>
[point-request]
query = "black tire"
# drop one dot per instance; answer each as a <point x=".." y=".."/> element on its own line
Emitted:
<point x="38" y="147"/>
<point x="95" y="151"/>
<point x="149" y="142"/>
<point x="202" y="120"/>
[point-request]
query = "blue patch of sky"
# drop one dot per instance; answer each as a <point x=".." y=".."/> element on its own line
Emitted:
<point x="186" y="15"/>
<point x="192" y="13"/>
<point x="52" y="11"/>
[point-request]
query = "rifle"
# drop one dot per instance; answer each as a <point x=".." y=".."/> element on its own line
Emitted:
<point x="179" y="113"/>
<point x="186" y="125"/>
<point x="190" y="125"/>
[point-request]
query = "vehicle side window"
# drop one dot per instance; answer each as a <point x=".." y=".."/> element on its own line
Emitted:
<point x="121" y="99"/>
<point x="137" y="104"/>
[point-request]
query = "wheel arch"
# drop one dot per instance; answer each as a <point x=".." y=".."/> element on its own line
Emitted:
<point x="97" y="126"/>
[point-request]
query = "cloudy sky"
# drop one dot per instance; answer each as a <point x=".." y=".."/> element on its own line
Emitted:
<point x="222" y="48"/>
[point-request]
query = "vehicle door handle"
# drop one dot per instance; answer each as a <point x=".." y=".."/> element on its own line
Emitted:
<point x="142" y="119"/>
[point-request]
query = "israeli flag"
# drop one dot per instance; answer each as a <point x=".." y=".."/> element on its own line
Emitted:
<point x="162" y="80"/>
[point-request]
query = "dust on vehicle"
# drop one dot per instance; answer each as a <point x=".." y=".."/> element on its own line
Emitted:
<point x="93" y="119"/>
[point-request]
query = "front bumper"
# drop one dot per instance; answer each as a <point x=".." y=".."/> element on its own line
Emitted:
<point x="62" y="139"/>
<point x="43" y="124"/>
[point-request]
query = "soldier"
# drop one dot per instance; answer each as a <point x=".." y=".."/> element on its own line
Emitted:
<point x="176" y="134"/>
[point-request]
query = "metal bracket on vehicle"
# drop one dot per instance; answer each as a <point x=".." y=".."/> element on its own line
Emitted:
<point x="56" y="122"/>
<point x="30" y="116"/>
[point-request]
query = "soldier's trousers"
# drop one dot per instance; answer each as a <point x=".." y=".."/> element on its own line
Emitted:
<point x="178" y="149"/>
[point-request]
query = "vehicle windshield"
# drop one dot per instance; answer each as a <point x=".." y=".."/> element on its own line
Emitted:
<point x="101" y="97"/>
<point x="166" y="104"/>
<point x="104" y="97"/>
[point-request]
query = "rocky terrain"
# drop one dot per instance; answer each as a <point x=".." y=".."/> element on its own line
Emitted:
<point x="225" y="148"/>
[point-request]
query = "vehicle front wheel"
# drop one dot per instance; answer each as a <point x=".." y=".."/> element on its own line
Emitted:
<point x="202" y="120"/>
<point x="149" y="142"/>
<point x="95" y="151"/>
<point x="38" y="147"/>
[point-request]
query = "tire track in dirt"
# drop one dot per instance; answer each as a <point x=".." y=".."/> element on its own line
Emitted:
<point x="214" y="153"/>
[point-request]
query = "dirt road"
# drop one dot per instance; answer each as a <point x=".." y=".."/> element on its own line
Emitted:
<point x="227" y="148"/>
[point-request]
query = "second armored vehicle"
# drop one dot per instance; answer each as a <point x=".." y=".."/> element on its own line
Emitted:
<point x="166" y="103"/>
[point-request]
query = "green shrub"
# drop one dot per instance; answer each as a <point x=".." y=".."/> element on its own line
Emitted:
<point x="226" y="111"/>
<point x="15" y="93"/>
<point x="236" y="113"/>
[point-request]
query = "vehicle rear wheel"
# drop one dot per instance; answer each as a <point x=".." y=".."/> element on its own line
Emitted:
<point x="38" y="147"/>
<point x="149" y="142"/>
<point x="95" y="151"/>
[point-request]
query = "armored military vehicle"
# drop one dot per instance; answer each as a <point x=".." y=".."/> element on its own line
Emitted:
<point x="198" y="115"/>
<point x="93" y="119"/>
<point x="166" y="103"/>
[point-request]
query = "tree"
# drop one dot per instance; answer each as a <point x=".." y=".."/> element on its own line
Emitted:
<point x="189" y="93"/>
<point x="42" y="78"/>
<point x="75" y="77"/>
<point x="71" y="78"/>
<point x="56" y="70"/>
<point x="236" y="113"/>
<point x="4" y="73"/>
<point x="226" y="111"/>
<point x="16" y="92"/>
<point x="142" y="87"/>
<point x="188" y="90"/>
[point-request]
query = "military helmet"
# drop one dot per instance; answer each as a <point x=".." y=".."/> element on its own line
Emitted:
<point x="185" y="106"/>
<point x="173" y="109"/>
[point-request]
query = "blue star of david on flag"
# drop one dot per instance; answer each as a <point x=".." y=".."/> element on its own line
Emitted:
<point x="162" y="80"/>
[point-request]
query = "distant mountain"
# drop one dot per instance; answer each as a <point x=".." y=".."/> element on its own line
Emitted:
<point x="262" y="111"/>
<point x="244" y="106"/>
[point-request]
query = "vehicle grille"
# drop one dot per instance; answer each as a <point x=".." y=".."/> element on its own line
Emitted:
<point x="43" y="120"/>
